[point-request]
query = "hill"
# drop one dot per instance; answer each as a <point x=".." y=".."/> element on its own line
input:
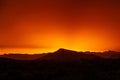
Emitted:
<point x="68" y="55"/>
<point x="61" y="65"/>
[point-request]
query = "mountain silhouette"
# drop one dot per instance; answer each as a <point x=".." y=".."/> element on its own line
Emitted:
<point x="62" y="64"/>
<point x="64" y="54"/>
<point x="68" y="55"/>
<point x="108" y="54"/>
<point x="22" y="56"/>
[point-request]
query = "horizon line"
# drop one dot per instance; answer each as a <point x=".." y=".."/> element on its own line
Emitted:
<point x="27" y="53"/>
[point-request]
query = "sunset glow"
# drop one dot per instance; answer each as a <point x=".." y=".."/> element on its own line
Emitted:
<point x="38" y="26"/>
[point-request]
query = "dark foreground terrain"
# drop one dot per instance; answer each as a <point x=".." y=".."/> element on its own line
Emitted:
<point x="61" y="65"/>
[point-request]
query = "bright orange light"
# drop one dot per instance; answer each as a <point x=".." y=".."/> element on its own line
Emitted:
<point x="38" y="27"/>
<point x="25" y="51"/>
<point x="86" y="40"/>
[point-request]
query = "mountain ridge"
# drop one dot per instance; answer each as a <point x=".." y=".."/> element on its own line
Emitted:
<point x="65" y="53"/>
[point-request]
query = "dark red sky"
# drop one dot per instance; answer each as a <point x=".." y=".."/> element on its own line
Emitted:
<point x="51" y="24"/>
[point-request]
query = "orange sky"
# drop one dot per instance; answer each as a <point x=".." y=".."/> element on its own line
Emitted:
<point x="31" y="26"/>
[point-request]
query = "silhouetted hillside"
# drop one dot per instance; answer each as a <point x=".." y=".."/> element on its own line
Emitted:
<point x="61" y="65"/>
<point x="68" y="55"/>
<point x="22" y="56"/>
<point x="108" y="54"/>
<point x="64" y="54"/>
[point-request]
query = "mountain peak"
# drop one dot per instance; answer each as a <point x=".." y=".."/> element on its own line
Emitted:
<point x="62" y="50"/>
<point x="68" y="55"/>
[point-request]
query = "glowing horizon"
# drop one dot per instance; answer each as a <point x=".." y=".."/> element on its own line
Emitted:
<point x="41" y="51"/>
<point x="43" y="25"/>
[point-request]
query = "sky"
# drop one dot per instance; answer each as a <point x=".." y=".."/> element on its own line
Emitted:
<point x="36" y="26"/>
